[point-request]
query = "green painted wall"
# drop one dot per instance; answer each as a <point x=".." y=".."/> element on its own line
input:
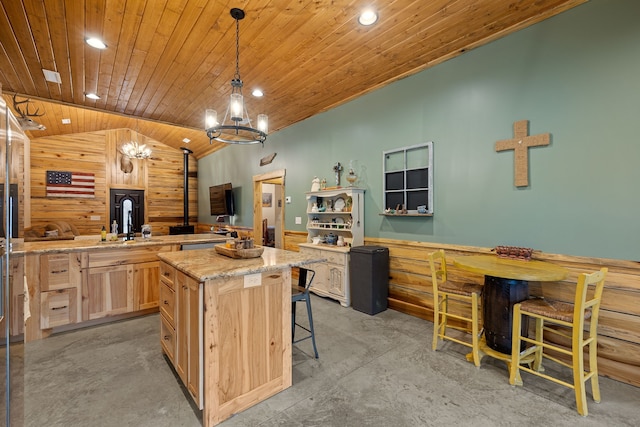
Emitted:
<point x="576" y="76"/>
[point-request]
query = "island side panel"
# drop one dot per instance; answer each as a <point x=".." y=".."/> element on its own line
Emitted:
<point x="247" y="351"/>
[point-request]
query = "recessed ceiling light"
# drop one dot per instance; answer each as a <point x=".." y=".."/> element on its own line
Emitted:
<point x="92" y="96"/>
<point x="257" y="93"/>
<point x="52" y="76"/>
<point x="95" y="42"/>
<point x="186" y="140"/>
<point x="368" y="17"/>
<point x="66" y="121"/>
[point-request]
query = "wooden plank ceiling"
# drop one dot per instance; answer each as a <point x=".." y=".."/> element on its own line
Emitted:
<point x="169" y="60"/>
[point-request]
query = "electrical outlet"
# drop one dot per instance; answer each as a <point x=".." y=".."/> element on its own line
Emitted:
<point x="298" y="220"/>
<point x="287" y="200"/>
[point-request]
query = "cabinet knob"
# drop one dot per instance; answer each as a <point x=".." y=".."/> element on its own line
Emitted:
<point x="165" y="302"/>
<point x="166" y="337"/>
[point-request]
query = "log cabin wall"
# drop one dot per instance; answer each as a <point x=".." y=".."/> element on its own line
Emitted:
<point x="619" y="325"/>
<point x="161" y="177"/>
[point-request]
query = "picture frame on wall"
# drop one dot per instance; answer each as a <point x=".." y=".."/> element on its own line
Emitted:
<point x="266" y="200"/>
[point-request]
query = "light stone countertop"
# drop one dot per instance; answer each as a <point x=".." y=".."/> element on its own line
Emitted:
<point x="89" y="243"/>
<point x="205" y="264"/>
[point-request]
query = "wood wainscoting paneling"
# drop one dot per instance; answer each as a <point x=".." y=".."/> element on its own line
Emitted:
<point x="619" y="326"/>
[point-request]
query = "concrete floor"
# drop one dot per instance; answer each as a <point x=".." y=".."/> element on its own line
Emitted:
<point x="373" y="370"/>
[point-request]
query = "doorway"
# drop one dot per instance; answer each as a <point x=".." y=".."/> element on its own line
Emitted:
<point x="127" y="209"/>
<point x="272" y="184"/>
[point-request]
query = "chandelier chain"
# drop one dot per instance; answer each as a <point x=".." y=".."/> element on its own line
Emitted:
<point x="237" y="76"/>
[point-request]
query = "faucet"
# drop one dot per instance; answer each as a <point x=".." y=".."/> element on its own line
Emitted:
<point x="130" y="233"/>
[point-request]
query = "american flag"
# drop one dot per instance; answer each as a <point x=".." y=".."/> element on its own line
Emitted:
<point x="70" y="184"/>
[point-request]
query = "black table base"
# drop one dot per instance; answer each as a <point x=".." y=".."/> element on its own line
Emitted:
<point x="498" y="298"/>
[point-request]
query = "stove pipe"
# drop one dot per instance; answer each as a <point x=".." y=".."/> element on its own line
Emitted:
<point x="185" y="228"/>
<point x="186" y="152"/>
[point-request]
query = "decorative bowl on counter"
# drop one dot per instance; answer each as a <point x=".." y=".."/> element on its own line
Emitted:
<point x="254" y="252"/>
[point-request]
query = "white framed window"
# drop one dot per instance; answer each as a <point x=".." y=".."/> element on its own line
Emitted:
<point x="408" y="178"/>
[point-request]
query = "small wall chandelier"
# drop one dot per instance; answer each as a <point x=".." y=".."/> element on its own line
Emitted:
<point x="135" y="151"/>
<point x="238" y="130"/>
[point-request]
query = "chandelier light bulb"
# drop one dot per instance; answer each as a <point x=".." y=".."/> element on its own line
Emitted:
<point x="263" y="123"/>
<point x="236" y="107"/>
<point x="211" y="118"/>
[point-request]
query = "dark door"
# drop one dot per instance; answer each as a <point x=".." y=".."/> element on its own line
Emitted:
<point x="127" y="207"/>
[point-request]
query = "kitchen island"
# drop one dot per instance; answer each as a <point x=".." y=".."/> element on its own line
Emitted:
<point x="226" y="326"/>
<point x="83" y="282"/>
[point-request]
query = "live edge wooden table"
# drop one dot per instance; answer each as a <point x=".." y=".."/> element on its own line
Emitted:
<point x="506" y="282"/>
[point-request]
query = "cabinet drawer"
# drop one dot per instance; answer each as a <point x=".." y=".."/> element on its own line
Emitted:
<point x="334" y="257"/>
<point x="167" y="338"/>
<point x="167" y="302"/>
<point x="167" y="274"/>
<point x="58" y="271"/>
<point x="331" y="256"/>
<point x="58" y="308"/>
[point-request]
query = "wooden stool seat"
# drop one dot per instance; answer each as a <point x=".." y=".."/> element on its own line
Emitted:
<point x="466" y="289"/>
<point x="568" y="322"/>
<point x="553" y="309"/>
<point x="465" y="294"/>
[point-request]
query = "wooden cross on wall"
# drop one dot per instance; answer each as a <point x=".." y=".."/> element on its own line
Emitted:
<point x="520" y="143"/>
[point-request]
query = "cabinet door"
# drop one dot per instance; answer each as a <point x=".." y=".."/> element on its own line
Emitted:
<point x="321" y="279"/>
<point x="107" y="291"/>
<point x="336" y="279"/>
<point x="16" y="280"/>
<point x="146" y="292"/>
<point x="194" y="340"/>
<point x="182" y="325"/>
<point x="188" y="333"/>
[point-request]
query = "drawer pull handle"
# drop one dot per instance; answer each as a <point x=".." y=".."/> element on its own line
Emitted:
<point x="59" y="308"/>
<point x="58" y="271"/>
<point x="167" y="337"/>
<point x="166" y="274"/>
<point x="165" y="302"/>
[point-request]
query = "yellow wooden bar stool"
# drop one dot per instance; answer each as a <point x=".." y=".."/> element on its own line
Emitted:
<point x="566" y="320"/>
<point x="445" y="291"/>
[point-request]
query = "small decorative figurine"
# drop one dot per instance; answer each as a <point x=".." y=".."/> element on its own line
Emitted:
<point x="315" y="184"/>
<point x="323" y="184"/>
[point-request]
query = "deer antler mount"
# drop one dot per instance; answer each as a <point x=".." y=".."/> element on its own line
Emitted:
<point x="25" y="120"/>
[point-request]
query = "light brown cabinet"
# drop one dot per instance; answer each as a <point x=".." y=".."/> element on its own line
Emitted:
<point x="16" y="280"/>
<point x="72" y="287"/>
<point x="107" y="291"/>
<point x="60" y="280"/>
<point x="146" y="292"/>
<point x="58" y="308"/>
<point x="181" y="327"/>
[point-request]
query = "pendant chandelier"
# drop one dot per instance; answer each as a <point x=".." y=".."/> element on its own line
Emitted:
<point x="237" y="129"/>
